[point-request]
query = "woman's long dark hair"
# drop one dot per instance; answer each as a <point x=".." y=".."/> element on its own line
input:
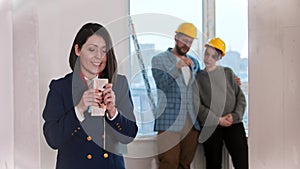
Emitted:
<point x="83" y="34"/>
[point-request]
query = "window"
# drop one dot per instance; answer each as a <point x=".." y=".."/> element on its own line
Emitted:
<point x="232" y="27"/>
<point x="155" y="23"/>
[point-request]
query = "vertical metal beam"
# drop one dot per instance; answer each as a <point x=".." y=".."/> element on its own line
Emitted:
<point x="142" y="65"/>
<point x="209" y="30"/>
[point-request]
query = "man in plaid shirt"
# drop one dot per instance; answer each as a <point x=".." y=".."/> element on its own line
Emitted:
<point x="178" y="101"/>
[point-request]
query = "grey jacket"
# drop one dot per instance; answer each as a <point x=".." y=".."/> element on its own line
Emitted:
<point x="219" y="96"/>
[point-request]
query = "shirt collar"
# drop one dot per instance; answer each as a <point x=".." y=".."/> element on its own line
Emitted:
<point x="86" y="79"/>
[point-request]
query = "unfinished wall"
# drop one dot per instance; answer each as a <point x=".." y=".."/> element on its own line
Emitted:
<point x="274" y="109"/>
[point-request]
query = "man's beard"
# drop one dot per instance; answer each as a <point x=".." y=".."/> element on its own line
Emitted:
<point x="178" y="50"/>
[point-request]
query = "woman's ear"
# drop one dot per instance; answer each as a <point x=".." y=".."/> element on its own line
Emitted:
<point x="220" y="57"/>
<point x="77" y="50"/>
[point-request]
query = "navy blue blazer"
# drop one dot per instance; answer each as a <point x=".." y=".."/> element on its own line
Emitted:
<point x="95" y="143"/>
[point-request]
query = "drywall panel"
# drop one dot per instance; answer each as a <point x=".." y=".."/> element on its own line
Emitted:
<point x="291" y="106"/>
<point x="26" y="86"/>
<point x="6" y="86"/>
<point x="273" y="84"/>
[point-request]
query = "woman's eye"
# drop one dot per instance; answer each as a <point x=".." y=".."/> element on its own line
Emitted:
<point x="91" y="49"/>
<point x="104" y="50"/>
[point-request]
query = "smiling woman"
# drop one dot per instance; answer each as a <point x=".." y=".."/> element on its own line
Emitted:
<point x="83" y="139"/>
<point x="93" y="56"/>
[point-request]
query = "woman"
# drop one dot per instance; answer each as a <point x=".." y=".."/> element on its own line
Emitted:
<point x="84" y="140"/>
<point x="221" y="110"/>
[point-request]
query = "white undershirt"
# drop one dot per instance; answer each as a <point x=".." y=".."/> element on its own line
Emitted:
<point x="186" y="73"/>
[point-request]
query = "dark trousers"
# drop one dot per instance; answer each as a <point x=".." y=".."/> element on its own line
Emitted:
<point x="176" y="150"/>
<point x="235" y="141"/>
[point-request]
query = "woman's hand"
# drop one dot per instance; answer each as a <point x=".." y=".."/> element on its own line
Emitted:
<point x="226" y="121"/>
<point x="108" y="96"/>
<point x="91" y="97"/>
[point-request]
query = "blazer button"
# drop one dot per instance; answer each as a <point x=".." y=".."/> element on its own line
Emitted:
<point x="105" y="155"/>
<point x="89" y="138"/>
<point x="89" y="156"/>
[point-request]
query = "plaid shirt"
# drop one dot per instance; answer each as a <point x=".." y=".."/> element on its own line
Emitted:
<point x="176" y="100"/>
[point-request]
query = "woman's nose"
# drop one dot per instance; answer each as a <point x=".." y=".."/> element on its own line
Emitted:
<point x="100" y="55"/>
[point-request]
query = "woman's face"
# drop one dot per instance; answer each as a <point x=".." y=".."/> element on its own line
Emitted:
<point x="211" y="56"/>
<point x="92" y="56"/>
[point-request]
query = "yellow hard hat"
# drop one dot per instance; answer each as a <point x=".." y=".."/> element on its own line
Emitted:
<point x="188" y="29"/>
<point x="218" y="44"/>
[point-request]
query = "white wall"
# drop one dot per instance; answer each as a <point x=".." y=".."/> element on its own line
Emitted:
<point x="26" y="85"/>
<point x="274" y="81"/>
<point x="6" y="86"/>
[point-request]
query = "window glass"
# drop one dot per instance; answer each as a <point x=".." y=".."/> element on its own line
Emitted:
<point x="232" y="27"/>
<point x="155" y="23"/>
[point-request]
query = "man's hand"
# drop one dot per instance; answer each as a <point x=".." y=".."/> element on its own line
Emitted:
<point x="238" y="80"/>
<point x="184" y="61"/>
